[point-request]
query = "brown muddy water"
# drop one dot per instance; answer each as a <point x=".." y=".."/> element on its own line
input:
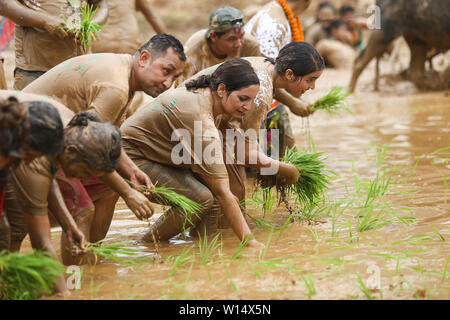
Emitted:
<point x="401" y="252"/>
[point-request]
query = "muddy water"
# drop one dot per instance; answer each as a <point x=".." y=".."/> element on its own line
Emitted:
<point x="394" y="261"/>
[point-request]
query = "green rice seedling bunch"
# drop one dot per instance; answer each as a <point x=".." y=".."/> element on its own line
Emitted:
<point x="333" y="102"/>
<point x="27" y="276"/>
<point x="314" y="177"/>
<point x="86" y="31"/>
<point x="116" y="251"/>
<point x="169" y="197"/>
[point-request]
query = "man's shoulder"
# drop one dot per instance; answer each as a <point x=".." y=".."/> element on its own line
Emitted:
<point x="250" y="46"/>
<point x="195" y="41"/>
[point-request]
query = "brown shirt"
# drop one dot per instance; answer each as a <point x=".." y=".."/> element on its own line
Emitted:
<point x="121" y="33"/>
<point x="271" y="28"/>
<point x="199" y="54"/>
<point x="169" y="124"/>
<point x="37" y="50"/>
<point x="254" y="118"/>
<point x="98" y="83"/>
<point x="31" y="182"/>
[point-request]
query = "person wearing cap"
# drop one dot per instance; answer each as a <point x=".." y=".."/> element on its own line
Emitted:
<point x="224" y="39"/>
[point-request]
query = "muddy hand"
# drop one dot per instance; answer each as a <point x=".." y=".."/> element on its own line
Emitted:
<point x="287" y="174"/>
<point x="55" y="28"/>
<point x="139" y="178"/>
<point x="77" y="241"/>
<point x="255" y="244"/>
<point x="139" y="204"/>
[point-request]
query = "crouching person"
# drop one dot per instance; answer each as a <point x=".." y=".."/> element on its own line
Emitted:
<point x="186" y="117"/>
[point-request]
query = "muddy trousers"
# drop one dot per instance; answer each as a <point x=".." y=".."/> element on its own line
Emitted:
<point x="184" y="181"/>
<point x="12" y="227"/>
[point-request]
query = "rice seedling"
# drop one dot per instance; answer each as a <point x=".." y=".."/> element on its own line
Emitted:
<point x="169" y="197"/>
<point x="180" y="259"/>
<point x="309" y="285"/>
<point x="27" y="276"/>
<point x="206" y="250"/>
<point x="239" y="250"/>
<point x="116" y="251"/>
<point x="314" y="178"/>
<point x="444" y="273"/>
<point x="262" y="222"/>
<point x="85" y="31"/>
<point x="314" y="233"/>
<point x="364" y="289"/>
<point x="333" y="103"/>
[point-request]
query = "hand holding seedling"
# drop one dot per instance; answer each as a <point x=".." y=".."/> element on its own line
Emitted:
<point x="139" y="204"/>
<point x="287" y="175"/>
<point x="56" y="28"/>
<point x="77" y="240"/>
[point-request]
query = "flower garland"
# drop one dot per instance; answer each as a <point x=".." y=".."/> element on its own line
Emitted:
<point x="296" y="25"/>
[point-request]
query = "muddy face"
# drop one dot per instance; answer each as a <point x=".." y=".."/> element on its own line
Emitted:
<point x="154" y="76"/>
<point x="229" y="44"/>
<point x="238" y="102"/>
<point x="299" y="85"/>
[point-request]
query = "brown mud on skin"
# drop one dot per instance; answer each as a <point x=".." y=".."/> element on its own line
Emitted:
<point x="409" y="260"/>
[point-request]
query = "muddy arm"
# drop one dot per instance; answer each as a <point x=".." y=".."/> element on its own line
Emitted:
<point x="297" y="106"/>
<point x="149" y="12"/>
<point x="59" y="210"/>
<point x="230" y="207"/>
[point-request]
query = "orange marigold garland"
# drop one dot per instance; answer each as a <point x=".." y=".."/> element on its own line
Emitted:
<point x="296" y="25"/>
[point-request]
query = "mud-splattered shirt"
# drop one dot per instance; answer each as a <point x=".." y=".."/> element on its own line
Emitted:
<point x="199" y="54"/>
<point x="32" y="182"/>
<point x="98" y="83"/>
<point x="271" y="28"/>
<point x="262" y="102"/>
<point x="38" y="50"/>
<point x="176" y="129"/>
<point x="121" y="33"/>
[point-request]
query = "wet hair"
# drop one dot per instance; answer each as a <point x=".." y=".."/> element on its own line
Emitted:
<point x="235" y="74"/>
<point x="301" y="57"/>
<point x="98" y="144"/>
<point x="159" y="44"/>
<point x="13" y="126"/>
<point x="46" y="129"/>
<point x="346" y="9"/>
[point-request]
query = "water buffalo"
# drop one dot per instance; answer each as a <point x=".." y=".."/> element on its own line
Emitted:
<point x="424" y="24"/>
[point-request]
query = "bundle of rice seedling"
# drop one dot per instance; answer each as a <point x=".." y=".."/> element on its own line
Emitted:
<point x="27" y="276"/>
<point x="313" y="175"/>
<point x="86" y="31"/>
<point x="334" y="102"/>
<point x="117" y="251"/>
<point x="169" y="197"/>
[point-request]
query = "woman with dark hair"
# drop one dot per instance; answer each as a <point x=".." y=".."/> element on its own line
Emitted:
<point x="286" y="78"/>
<point x="175" y="141"/>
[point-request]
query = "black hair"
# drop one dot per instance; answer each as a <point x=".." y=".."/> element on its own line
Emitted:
<point x="98" y="144"/>
<point x="326" y="4"/>
<point x="235" y="73"/>
<point x="159" y="44"/>
<point x="301" y="57"/>
<point x="46" y="129"/>
<point x="335" y="24"/>
<point x="346" y="9"/>
<point x="13" y="127"/>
